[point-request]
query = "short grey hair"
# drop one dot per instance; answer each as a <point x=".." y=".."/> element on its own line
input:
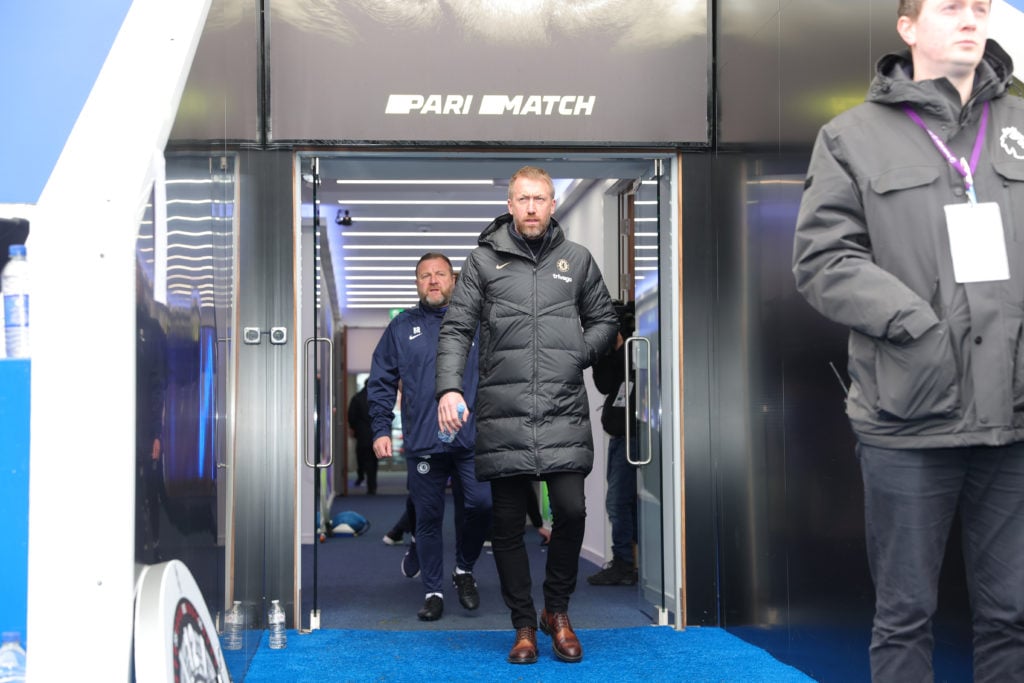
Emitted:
<point x="533" y="173"/>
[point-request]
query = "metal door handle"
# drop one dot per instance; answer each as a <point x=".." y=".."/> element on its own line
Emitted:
<point x="632" y="344"/>
<point x="330" y="400"/>
<point x="221" y="465"/>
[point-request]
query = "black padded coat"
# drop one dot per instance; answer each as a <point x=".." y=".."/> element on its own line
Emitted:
<point x="542" y="320"/>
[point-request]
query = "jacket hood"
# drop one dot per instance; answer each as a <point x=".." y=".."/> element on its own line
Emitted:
<point x="497" y="236"/>
<point x="894" y="81"/>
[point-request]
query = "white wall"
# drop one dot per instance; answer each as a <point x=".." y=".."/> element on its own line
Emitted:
<point x="361" y="342"/>
<point x="586" y="224"/>
<point x="80" y="613"/>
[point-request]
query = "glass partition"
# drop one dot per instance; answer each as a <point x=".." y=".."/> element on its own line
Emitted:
<point x="184" y="347"/>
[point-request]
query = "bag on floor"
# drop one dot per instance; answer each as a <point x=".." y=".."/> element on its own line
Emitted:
<point x="349" y="523"/>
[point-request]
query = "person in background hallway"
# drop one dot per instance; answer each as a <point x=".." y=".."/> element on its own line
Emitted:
<point x="544" y="315"/>
<point x="406" y="353"/>
<point x="620" y="499"/>
<point x="910" y="233"/>
<point x="359" y="426"/>
<point x="406" y="524"/>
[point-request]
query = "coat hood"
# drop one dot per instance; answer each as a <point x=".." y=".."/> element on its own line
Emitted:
<point x="498" y="236"/>
<point x="894" y="82"/>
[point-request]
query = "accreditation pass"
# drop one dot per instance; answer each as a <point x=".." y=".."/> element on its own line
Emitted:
<point x="976" y="242"/>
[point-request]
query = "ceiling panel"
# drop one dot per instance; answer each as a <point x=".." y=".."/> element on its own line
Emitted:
<point x="400" y="207"/>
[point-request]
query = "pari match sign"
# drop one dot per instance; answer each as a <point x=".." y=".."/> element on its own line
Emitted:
<point x="492" y="105"/>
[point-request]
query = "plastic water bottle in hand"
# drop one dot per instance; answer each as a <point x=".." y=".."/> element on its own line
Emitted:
<point x="234" y="624"/>
<point x="276" y="619"/>
<point x="446" y="436"/>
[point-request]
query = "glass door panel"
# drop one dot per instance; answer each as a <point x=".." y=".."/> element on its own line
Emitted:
<point x="184" y="349"/>
<point x="317" y="387"/>
<point x="650" y="222"/>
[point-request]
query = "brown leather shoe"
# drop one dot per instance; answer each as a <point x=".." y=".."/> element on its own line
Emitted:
<point x="525" y="649"/>
<point x="563" y="639"/>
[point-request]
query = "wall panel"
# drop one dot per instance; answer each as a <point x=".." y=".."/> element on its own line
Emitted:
<point x="264" y="464"/>
<point x="504" y="70"/>
<point x="787" y="67"/>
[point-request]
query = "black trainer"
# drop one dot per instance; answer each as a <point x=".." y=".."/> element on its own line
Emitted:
<point x="411" y="561"/>
<point x="615" y="573"/>
<point x="465" y="584"/>
<point x="432" y="609"/>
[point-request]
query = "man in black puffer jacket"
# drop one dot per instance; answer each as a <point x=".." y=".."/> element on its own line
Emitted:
<point x="544" y="315"/>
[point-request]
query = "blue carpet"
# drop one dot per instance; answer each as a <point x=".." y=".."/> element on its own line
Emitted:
<point x="645" y="653"/>
<point x="362" y="587"/>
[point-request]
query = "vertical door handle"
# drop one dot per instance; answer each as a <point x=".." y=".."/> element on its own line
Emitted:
<point x="633" y="345"/>
<point x="330" y="400"/>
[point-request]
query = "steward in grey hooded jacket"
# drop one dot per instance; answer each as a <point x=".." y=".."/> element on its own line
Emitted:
<point x="542" y="321"/>
<point x="933" y="363"/>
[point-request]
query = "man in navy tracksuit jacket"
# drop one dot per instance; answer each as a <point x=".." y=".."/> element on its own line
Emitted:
<point x="406" y="353"/>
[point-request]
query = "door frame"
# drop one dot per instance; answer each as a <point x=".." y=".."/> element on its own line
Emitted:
<point x="670" y="312"/>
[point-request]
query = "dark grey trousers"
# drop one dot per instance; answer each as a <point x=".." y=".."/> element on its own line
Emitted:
<point x="910" y="499"/>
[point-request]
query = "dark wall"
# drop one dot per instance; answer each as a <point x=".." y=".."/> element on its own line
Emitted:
<point x="699" y="396"/>
<point x="784" y="68"/>
<point x="774" y="512"/>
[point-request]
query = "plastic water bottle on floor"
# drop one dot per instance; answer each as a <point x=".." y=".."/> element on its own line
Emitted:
<point x="276" y="619"/>
<point x="14" y="285"/>
<point x="12" y="658"/>
<point x="234" y="624"/>
<point x="446" y="436"/>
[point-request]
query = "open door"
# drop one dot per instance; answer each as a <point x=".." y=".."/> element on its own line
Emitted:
<point x="647" y="222"/>
<point x="317" y="391"/>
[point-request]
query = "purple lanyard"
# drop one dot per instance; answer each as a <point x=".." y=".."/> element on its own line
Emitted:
<point x="961" y="165"/>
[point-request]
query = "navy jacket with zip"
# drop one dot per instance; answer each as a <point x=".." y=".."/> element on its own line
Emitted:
<point x="407" y="351"/>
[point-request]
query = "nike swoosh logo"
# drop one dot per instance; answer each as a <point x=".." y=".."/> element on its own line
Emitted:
<point x="413" y="336"/>
<point x="502" y="265"/>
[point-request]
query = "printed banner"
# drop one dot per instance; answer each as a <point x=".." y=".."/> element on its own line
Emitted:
<point x="574" y="71"/>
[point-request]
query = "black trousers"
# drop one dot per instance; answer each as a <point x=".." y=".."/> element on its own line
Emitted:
<point x="368" y="465"/>
<point x="910" y="500"/>
<point x="511" y="499"/>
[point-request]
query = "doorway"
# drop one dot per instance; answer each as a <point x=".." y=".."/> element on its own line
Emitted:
<point x="365" y="218"/>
